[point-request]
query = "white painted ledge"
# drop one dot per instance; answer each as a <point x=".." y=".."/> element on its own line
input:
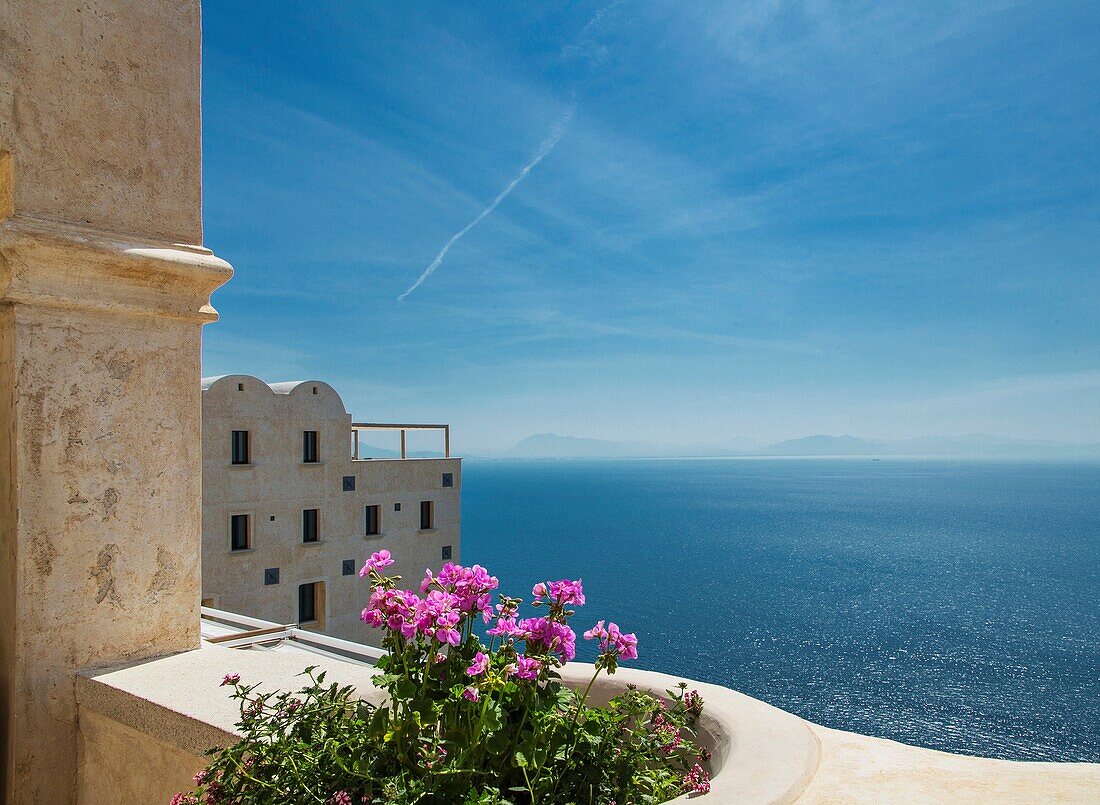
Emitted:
<point x="761" y="754"/>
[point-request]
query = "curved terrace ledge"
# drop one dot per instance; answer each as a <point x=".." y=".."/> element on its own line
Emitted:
<point x="144" y="727"/>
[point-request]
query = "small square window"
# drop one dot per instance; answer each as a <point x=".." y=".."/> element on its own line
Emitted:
<point x="448" y="479"/>
<point x="446" y="553"/>
<point x="272" y="518"/>
<point x="349" y="483"/>
<point x="349" y="567"/>
<point x="397" y="507"/>
<point x="271" y="576"/>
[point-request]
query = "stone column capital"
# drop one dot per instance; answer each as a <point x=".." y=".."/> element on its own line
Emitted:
<point x="48" y="263"/>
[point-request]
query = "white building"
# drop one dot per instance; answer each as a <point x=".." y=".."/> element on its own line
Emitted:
<point x="289" y="513"/>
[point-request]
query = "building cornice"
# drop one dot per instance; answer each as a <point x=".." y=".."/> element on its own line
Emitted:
<point x="47" y="263"/>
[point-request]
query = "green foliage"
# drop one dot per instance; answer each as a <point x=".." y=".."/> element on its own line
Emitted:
<point x="520" y="743"/>
<point x="462" y="722"/>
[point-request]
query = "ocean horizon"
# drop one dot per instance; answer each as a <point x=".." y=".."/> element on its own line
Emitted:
<point x="944" y="603"/>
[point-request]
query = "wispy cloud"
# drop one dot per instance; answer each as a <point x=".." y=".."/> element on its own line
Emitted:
<point x="584" y="45"/>
<point x="1012" y="388"/>
<point x="543" y="151"/>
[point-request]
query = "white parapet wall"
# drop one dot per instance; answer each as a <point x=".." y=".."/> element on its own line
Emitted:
<point x="170" y="710"/>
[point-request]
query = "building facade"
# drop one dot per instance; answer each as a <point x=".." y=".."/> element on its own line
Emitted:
<point x="290" y="514"/>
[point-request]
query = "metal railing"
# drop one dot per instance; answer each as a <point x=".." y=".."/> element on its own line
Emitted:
<point x="356" y="427"/>
<point x="245" y="632"/>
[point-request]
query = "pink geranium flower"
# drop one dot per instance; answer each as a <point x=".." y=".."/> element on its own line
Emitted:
<point x="614" y="641"/>
<point x="479" y="665"/>
<point x="527" y="668"/>
<point x="377" y="561"/>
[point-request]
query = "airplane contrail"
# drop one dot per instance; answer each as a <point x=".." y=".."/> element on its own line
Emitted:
<point x="556" y="132"/>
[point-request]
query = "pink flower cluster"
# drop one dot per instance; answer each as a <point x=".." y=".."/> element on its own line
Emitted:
<point x="541" y="635"/>
<point x="479" y="665"/>
<point x="697" y="780"/>
<point x="667" y="732"/>
<point x="395" y="609"/>
<point x="458" y="591"/>
<point x="437" y="615"/>
<point x="377" y="561"/>
<point x="562" y="593"/>
<point x="624" y="646"/>
<point x="471" y="586"/>
<point x="527" y="668"/>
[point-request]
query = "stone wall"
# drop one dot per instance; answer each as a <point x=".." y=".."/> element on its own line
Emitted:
<point x="104" y="287"/>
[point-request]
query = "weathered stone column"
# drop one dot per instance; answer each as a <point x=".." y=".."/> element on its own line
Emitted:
<point x="104" y="287"/>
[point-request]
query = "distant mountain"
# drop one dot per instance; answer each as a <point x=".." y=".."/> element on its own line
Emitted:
<point x="551" y="445"/>
<point x="367" y="451"/>
<point x="824" y="446"/>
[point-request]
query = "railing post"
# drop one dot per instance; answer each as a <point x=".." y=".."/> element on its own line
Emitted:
<point x="355" y="431"/>
<point x="402" y="443"/>
<point x="447" y="441"/>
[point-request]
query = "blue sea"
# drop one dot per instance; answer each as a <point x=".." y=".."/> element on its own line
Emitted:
<point x="948" y="604"/>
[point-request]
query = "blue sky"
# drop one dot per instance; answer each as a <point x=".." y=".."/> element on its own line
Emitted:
<point x="761" y="219"/>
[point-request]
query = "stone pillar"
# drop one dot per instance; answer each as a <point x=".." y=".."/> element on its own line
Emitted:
<point x="104" y="287"/>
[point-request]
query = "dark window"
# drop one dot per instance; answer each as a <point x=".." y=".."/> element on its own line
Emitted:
<point x="349" y="483"/>
<point x="310" y="525"/>
<point x="271" y="576"/>
<point x="446" y="553"/>
<point x="397" y="507"/>
<point x="427" y="515"/>
<point x="448" y="479"/>
<point x="240" y="447"/>
<point x="309" y="447"/>
<point x="349" y="567"/>
<point x="240" y="387"/>
<point x="238" y="532"/>
<point x="374" y="521"/>
<point x="307" y="602"/>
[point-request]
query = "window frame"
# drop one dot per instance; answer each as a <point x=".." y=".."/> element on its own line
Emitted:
<point x="233" y="457"/>
<point x="377" y="520"/>
<point x="247" y="531"/>
<point x="316" y="510"/>
<point x="312" y="585"/>
<point x="311" y="449"/>
<point x="427" y="515"/>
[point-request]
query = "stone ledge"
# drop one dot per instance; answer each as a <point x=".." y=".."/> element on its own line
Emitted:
<point x="177" y="699"/>
<point x="861" y="769"/>
<point x="761" y="754"/>
<point x="52" y="264"/>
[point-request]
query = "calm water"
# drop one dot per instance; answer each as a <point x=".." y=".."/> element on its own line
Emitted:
<point x="946" y="604"/>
